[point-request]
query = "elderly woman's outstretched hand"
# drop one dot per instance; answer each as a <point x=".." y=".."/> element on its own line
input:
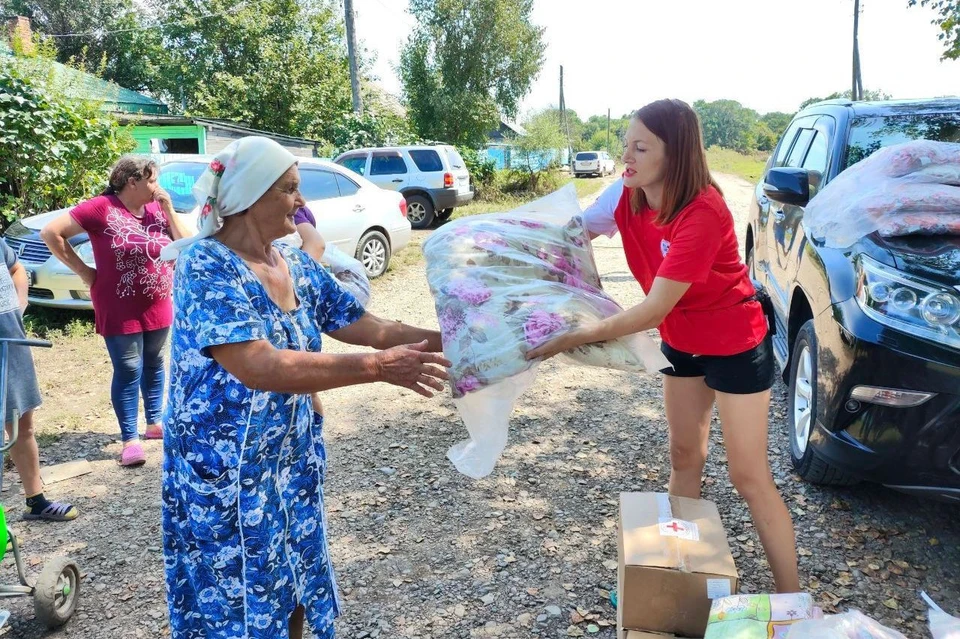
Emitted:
<point x="412" y="367"/>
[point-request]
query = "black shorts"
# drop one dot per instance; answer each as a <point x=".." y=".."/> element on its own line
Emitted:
<point x="750" y="372"/>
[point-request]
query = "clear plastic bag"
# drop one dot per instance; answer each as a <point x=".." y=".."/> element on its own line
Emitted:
<point x="942" y="625"/>
<point x="906" y="189"/>
<point x="849" y="625"/>
<point x="503" y="284"/>
<point x="348" y="272"/>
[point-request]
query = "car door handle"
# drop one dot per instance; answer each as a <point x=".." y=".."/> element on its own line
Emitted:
<point x="397" y="181"/>
<point x="779" y="215"/>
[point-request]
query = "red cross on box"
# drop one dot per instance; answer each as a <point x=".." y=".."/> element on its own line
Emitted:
<point x="675" y="527"/>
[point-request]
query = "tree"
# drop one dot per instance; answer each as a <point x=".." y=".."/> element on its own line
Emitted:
<point x="276" y="65"/>
<point x="110" y="42"/>
<point x="466" y="63"/>
<point x="948" y="20"/>
<point x="54" y="151"/>
<point x="776" y="122"/>
<point x="540" y="148"/>
<point x="868" y="96"/>
<point x="727" y="123"/>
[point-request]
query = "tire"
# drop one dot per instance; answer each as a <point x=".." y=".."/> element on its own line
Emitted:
<point x="751" y="267"/>
<point x="419" y="212"/>
<point x="57" y="591"/>
<point x="373" y="251"/>
<point x="444" y="214"/>
<point x="801" y="415"/>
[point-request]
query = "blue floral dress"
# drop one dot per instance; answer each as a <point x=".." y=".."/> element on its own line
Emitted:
<point x="244" y="532"/>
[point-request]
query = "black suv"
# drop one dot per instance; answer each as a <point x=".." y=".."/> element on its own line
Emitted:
<point x="868" y="337"/>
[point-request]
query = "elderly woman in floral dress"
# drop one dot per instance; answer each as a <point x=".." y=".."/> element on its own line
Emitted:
<point x="244" y="532"/>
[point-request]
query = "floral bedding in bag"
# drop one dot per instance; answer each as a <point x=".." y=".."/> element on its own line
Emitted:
<point x="906" y="189"/>
<point x="503" y="284"/>
<point x="757" y="616"/>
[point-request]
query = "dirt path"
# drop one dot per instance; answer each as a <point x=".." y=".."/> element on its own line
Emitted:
<point x="424" y="552"/>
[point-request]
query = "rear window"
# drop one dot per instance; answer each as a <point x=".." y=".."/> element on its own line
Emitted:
<point x="387" y="164"/>
<point x="427" y="160"/>
<point x="456" y="161"/>
<point x="177" y="179"/>
<point x="356" y="163"/>
<point x="867" y="135"/>
<point x="586" y="157"/>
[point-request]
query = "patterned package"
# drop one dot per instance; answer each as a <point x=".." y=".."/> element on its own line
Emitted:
<point x="906" y="189"/>
<point x="757" y="616"/>
<point x="503" y="284"/>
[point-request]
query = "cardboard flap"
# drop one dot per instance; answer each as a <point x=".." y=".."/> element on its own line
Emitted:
<point x="676" y="533"/>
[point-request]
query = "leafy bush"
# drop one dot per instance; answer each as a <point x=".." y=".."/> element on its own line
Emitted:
<point x="53" y="151"/>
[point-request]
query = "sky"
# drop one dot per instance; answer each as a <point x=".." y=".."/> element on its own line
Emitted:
<point x="769" y="55"/>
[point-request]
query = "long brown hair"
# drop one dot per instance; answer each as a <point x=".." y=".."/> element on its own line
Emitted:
<point x="687" y="174"/>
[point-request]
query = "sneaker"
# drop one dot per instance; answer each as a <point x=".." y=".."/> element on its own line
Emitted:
<point x="133" y="455"/>
<point x="154" y="432"/>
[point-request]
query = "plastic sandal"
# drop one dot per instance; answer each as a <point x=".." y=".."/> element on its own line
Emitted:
<point x="55" y="511"/>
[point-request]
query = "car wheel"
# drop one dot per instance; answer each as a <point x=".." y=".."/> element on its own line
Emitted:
<point x="802" y="414"/>
<point x="419" y="211"/>
<point x="373" y="251"/>
<point x="751" y="266"/>
<point x="445" y="214"/>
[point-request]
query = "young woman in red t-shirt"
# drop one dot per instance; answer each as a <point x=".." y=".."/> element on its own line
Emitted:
<point x="680" y="244"/>
<point x="130" y="287"/>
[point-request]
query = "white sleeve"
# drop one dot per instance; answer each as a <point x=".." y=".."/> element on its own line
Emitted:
<point x="599" y="216"/>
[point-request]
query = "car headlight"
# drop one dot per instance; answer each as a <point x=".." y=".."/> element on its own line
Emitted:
<point x="909" y="304"/>
<point x="85" y="251"/>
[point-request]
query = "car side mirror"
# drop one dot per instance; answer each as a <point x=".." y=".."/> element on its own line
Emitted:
<point x="787" y="186"/>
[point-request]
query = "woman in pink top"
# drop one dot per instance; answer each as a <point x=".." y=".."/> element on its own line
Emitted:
<point x="130" y="287"/>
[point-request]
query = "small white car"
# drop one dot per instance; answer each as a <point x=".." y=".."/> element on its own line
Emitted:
<point x="433" y="179"/>
<point x="597" y="163"/>
<point x="353" y="214"/>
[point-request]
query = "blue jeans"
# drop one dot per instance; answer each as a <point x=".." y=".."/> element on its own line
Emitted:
<point x="137" y="368"/>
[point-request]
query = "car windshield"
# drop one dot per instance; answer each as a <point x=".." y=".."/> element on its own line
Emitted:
<point x="583" y="157"/>
<point x="456" y="161"/>
<point x="870" y="134"/>
<point x="177" y="179"/>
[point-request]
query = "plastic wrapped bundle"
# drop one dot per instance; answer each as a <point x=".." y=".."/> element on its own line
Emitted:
<point x="757" y="616"/>
<point x="849" y="625"/>
<point x="907" y="189"/>
<point x="348" y="272"/>
<point x="503" y="284"/>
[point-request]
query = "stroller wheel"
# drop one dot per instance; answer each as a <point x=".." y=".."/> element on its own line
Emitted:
<point x="56" y="593"/>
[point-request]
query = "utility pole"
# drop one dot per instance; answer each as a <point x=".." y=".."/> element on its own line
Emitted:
<point x="856" y="89"/>
<point x="564" y="123"/>
<point x="352" y="53"/>
<point x="608" y="128"/>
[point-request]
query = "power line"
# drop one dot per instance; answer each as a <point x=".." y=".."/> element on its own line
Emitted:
<point x="242" y="5"/>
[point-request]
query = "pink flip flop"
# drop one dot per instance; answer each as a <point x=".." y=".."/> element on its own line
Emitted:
<point x="133" y="455"/>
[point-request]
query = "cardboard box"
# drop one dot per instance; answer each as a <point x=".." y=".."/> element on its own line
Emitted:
<point x="674" y="559"/>
<point x="639" y="634"/>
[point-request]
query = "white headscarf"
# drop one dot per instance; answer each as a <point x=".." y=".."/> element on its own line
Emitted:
<point x="237" y="177"/>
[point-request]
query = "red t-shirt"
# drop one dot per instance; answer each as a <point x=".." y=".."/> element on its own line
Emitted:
<point x="699" y="247"/>
<point x="132" y="291"/>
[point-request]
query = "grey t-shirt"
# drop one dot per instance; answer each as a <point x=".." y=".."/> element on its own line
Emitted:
<point x="9" y="302"/>
<point x="23" y="392"/>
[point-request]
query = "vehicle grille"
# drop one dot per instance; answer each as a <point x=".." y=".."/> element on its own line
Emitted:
<point x="29" y="250"/>
<point x="40" y="293"/>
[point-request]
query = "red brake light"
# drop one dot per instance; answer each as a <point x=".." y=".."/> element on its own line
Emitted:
<point x="448" y="180"/>
<point x="403" y="207"/>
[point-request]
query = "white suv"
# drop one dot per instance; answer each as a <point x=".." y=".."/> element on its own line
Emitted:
<point x="593" y="163"/>
<point x="433" y="179"/>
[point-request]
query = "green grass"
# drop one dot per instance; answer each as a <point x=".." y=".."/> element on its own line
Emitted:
<point x="53" y="323"/>
<point x="749" y="167"/>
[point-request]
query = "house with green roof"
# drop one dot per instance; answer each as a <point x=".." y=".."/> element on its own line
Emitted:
<point x="154" y="129"/>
